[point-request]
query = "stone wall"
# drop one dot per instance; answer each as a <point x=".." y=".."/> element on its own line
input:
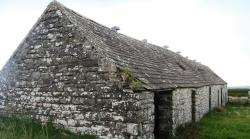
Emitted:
<point x="215" y="94"/>
<point x="56" y="75"/>
<point x="182" y="102"/>
<point x="181" y="107"/>
<point x="239" y="100"/>
<point x="201" y="102"/>
<point x="224" y="95"/>
<point x="218" y="91"/>
<point x="2" y="94"/>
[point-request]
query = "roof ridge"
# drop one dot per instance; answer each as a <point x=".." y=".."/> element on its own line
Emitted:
<point x="99" y="24"/>
<point x="151" y="62"/>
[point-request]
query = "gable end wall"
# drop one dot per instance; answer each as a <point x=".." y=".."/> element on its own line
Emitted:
<point x="57" y="75"/>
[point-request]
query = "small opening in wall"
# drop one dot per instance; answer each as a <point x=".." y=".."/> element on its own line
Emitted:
<point x="210" y="98"/>
<point x="163" y="117"/>
<point x="218" y="96"/>
<point x="193" y="105"/>
<point x="221" y="96"/>
<point x="156" y="102"/>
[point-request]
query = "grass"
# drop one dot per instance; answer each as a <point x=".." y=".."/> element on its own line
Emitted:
<point x="231" y="123"/>
<point x="25" y="128"/>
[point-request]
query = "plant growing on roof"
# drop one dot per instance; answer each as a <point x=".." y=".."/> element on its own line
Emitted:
<point x="128" y="78"/>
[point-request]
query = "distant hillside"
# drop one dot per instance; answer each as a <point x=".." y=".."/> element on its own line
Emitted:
<point x="238" y="91"/>
<point x="239" y="87"/>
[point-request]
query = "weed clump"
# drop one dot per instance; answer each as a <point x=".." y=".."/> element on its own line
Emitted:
<point x="128" y="78"/>
<point x="220" y="109"/>
<point x="188" y="131"/>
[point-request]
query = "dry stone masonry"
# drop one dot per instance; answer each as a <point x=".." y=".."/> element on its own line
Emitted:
<point x="69" y="70"/>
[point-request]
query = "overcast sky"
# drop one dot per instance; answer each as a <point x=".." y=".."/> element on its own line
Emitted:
<point x="213" y="32"/>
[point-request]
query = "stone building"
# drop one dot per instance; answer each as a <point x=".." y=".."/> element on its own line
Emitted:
<point x="91" y="79"/>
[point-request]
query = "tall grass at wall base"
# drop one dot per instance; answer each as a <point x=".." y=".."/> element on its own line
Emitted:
<point x="233" y="122"/>
<point x="25" y="128"/>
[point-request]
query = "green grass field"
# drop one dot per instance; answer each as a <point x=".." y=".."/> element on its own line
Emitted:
<point x="231" y="123"/>
<point x="16" y="128"/>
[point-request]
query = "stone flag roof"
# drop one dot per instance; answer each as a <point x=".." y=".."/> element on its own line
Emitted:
<point x="156" y="67"/>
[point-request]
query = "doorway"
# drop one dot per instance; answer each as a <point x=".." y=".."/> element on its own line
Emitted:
<point x="222" y="97"/>
<point x="218" y="96"/>
<point x="210" y="107"/>
<point x="163" y="114"/>
<point x="193" y="95"/>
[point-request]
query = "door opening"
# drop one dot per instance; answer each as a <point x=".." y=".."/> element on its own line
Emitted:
<point x="163" y="114"/>
<point x="221" y="96"/>
<point x="210" y="107"/>
<point x="193" y="105"/>
<point x="156" y="102"/>
<point x="218" y="95"/>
